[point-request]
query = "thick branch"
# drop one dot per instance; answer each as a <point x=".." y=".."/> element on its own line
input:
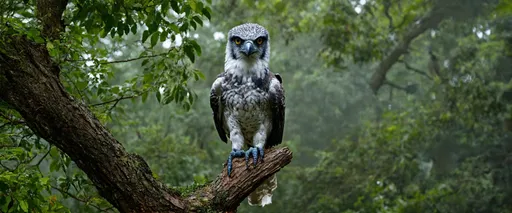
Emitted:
<point x="431" y="20"/>
<point x="49" y="12"/>
<point x="226" y="192"/>
<point x="29" y="83"/>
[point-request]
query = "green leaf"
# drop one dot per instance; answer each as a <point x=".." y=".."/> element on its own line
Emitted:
<point x="207" y="13"/>
<point x="190" y="97"/>
<point x="49" y="45"/>
<point x="54" y="166"/>
<point x="120" y="28"/>
<point x="175" y="7"/>
<point x="44" y="180"/>
<point x="26" y="14"/>
<point x="198" y="20"/>
<point x="199" y="6"/>
<point x="145" y="36"/>
<point x="196" y="46"/>
<point x="126" y="29"/>
<point x="165" y="6"/>
<point x="24" y="205"/>
<point x="199" y="74"/>
<point x="80" y="85"/>
<point x="144" y="62"/>
<point x="54" y="152"/>
<point x="163" y="36"/>
<point x="168" y="98"/>
<point x="186" y="106"/>
<point x="187" y="10"/>
<point x="189" y="51"/>
<point x="192" y="5"/>
<point x="115" y="90"/>
<point x="7" y="201"/>
<point x="174" y="27"/>
<point x="154" y="38"/>
<point x="159" y="96"/>
<point x="109" y="22"/>
<point x="104" y="33"/>
<point x="134" y="29"/>
<point x="193" y="24"/>
<point x="184" y="27"/>
<point x="113" y="33"/>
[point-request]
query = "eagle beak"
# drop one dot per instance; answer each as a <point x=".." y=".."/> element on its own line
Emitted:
<point x="248" y="48"/>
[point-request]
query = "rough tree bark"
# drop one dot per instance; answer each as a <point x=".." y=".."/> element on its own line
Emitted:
<point x="29" y="82"/>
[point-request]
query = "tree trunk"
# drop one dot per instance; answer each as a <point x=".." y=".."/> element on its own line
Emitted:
<point x="29" y="82"/>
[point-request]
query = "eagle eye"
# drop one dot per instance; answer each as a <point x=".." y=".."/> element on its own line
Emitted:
<point x="237" y="41"/>
<point x="259" y="40"/>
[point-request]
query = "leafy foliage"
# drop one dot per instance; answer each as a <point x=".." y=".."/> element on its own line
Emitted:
<point x="426" y="143"/>
<point x="90" y="52"/>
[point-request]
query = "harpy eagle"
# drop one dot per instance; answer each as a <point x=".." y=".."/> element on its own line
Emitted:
<point x="248" y="102"/>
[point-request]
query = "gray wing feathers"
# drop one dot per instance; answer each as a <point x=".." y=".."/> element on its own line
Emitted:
<point x="217" y="108"/>
<point x="277" y="101"/>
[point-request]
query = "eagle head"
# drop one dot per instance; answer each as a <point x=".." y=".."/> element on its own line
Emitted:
<point x="248" y="42"/>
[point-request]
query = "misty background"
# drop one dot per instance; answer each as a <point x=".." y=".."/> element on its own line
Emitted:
<point x="433" y="137"/>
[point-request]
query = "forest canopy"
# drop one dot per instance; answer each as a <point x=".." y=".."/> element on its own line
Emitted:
<point x="391" y="106"/>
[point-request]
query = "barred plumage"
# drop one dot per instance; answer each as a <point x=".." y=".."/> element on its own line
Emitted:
<point x="248" y="100"/>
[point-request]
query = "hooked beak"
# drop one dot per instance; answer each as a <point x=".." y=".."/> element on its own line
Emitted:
<point x="248" y="48"/>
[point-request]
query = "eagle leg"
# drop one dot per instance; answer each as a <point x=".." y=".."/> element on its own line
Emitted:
<point x="234" y="154"/>
<point x="254" y="152"/>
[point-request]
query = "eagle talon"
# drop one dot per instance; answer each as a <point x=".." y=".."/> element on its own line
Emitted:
<point x="247" y="159"/>
<point x="254" y="152"/>
<point x="262" y="153"/>
<point x="234" y="154"/>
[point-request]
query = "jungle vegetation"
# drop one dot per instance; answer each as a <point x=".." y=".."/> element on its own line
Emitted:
<point x="392" y="105"/>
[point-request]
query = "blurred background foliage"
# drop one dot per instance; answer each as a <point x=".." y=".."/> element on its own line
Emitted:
<point x="434" y="138"/>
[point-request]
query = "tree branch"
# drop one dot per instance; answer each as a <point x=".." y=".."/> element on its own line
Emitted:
<point x="29" y="82"/>
<point x="43" y="157"/>
<point x="396" y="86"/>
<point x="134" y="59"/>
<point x="114" y="100"/>
<point x="387" y="6"/>
<point x="226" y="193"/>
<point x="125" y="60"/>
<point x="49" y="12"/>
<point x="435" y="16"/>
<point x="409" y="67"/>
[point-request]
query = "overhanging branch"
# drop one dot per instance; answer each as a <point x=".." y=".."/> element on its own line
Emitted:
<point x="434" y="17"/>
<point x="416" y="70"/>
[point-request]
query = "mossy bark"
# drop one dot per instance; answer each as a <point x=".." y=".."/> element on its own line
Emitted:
<point x="29" y="82"/>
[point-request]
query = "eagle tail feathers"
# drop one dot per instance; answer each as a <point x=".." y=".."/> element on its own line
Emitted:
<point x="263" y="194"/>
